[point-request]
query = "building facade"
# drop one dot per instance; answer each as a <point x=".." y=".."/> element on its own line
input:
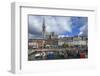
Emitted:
<point x="73" y="40"/>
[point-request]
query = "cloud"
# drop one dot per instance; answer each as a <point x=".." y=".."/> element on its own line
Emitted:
<point x="31" y="36"/>
<point x="62" y="25"/>
<point x="79" y="25"/>
<point x="58" y="24"/>
<point x="55" y="24"/>
<point x="34" y="25"/>
<point x="83" y="31"/>
<point x="61" y="36"/>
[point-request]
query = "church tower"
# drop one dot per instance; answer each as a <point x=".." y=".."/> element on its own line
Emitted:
<point x="43" y="28"/>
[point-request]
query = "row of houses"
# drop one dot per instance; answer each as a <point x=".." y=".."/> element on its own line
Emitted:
<point x="77" y="40"/>
<point x="56" y="42"/>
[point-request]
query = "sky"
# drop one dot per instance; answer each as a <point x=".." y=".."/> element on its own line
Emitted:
<point x="64" y="26"/>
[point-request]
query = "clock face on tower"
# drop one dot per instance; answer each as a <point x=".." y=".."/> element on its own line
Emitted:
<point x="57" y="37"/>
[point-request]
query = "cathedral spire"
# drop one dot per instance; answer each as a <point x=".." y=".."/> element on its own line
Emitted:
<point x="43" y="28"/>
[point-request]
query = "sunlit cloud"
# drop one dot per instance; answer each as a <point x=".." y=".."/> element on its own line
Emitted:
<point x="83" y="31"/>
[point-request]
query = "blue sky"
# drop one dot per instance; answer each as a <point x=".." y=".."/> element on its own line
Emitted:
<point x="64" y="26"/>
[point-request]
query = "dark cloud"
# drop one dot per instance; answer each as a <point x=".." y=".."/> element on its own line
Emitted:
<point x="33" y="30"/>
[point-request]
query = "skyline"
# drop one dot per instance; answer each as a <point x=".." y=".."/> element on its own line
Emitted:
<point x="64" y="26"/>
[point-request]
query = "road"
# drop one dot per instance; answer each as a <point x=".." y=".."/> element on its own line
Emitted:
<point x="31" y="51"/>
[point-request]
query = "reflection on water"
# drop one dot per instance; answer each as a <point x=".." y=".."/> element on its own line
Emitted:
<point x="58" y="54"/>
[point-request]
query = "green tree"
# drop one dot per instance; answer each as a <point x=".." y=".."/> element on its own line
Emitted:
<point x="65" y="45"/>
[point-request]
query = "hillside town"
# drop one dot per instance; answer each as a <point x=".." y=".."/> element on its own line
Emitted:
<point x="50" y="46"/>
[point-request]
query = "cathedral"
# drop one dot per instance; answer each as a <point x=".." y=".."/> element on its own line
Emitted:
<point x="48" y="38"/>
<point x="48" y="35"/>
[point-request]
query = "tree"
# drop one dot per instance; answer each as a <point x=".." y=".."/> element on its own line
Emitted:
<point x="65" y="45"/>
